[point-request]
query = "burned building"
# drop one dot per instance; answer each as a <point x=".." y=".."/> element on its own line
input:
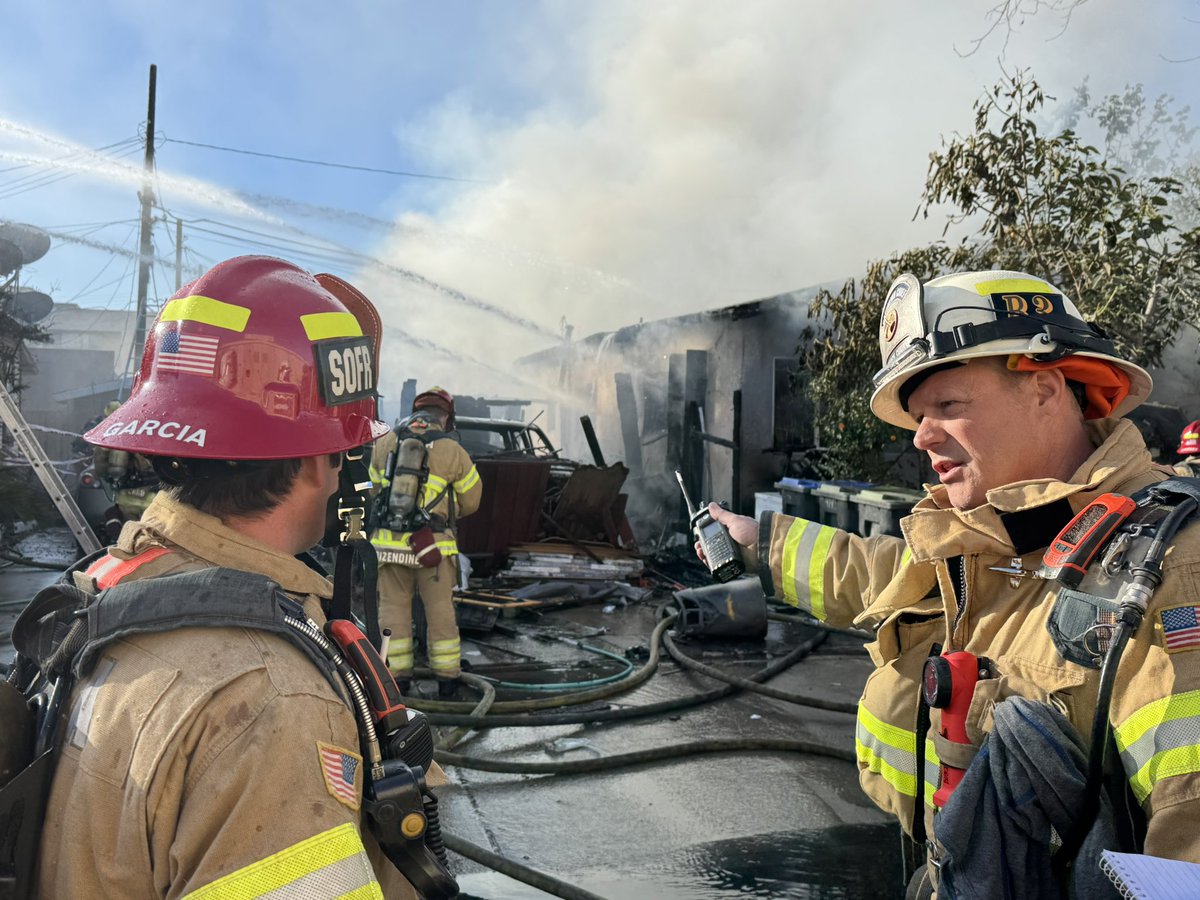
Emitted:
<point x="719" y="394"/>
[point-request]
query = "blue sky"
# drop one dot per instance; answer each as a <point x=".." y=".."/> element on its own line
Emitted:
<point x="633" y="160"/>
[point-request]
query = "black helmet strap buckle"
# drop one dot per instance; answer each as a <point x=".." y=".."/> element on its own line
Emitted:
<point x="356" y="565"/>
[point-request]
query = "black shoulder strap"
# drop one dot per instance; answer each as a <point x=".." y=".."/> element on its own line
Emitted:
<point x="207" y="598"/>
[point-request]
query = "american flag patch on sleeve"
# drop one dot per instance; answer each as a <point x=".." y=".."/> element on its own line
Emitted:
<point x="341" y="771"/>
<point x="1181" y="628"/>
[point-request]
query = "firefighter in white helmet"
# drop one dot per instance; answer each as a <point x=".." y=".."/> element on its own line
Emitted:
<point x="428" y="482"/>
<point x="1016" y="400"/>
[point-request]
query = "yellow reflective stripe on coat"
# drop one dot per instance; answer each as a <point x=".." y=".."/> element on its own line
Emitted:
<point x="386" y="538"/>
<point x="434" y="485"/>
<point x="378" y="476"/>
<point x="887" y="751"/>
<point x="805" y="550"/>
<point x="933" y="771"/>
<point x="331" y="864"/>
<point x="1160" y="740"/>
<point x="467" y="482"/>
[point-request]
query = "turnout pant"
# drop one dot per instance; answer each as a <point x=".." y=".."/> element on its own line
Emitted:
<point x="397" y="585"/>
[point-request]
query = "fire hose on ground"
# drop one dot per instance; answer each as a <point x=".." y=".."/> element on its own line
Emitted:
<point x="444" y="713"/>
<point x="479" y="717"/>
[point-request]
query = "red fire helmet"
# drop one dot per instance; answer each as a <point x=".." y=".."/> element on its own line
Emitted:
<point x="255" y="359"/>
<point x="438" y="398"/>
<point x="1189" y="441"/>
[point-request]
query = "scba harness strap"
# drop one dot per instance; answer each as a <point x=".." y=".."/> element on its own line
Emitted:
<point x="1093" y="622"/>
<point x="63" y="629"/>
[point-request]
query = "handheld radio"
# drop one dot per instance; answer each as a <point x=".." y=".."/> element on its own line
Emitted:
<point x="720" y="555"/>
<point x="1069" y="555"/>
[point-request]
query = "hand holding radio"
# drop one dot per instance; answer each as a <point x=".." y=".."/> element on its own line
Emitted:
<point x="715" y="546"/>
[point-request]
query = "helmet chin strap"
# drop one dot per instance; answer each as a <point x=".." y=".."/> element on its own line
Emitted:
<point x="356" y="566"/>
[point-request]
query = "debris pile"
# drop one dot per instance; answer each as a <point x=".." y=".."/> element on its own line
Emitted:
<point x="559" y="560"/>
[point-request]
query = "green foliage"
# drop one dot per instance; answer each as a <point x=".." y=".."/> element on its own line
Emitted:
<point x="1047" y="204"/>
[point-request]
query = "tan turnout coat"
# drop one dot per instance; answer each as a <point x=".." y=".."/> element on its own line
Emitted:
<point x="903" y="587"/>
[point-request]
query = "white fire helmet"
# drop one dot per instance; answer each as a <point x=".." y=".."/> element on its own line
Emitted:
<point x="959" y="317"/>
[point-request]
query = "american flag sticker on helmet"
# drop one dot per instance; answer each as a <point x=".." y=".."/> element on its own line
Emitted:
<point x="1180" y="628"/>
<point x="341" y="770"/>
<point x="187" y="353"/>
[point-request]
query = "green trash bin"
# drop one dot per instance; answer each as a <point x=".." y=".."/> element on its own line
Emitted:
<point x="880" y="509"/>
<point x="835" y="505"/>
<point x="798" y="499"/>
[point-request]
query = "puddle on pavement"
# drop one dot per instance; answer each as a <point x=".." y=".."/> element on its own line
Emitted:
<point x="845" y="862"/>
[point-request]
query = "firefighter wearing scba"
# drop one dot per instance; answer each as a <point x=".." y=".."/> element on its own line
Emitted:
<point x="130" y="477"/>
<point x="1015" y="399"/>
<point x="430" y="483"/>
<point x="1189" y="449"/>
<point x="219" y="761"/>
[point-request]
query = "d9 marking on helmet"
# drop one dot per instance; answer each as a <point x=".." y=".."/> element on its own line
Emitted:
<point x="1047" y="306"/>
<point x="346" y="368"/>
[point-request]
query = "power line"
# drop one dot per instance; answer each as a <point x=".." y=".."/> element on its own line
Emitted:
<point x="331" y="165"/>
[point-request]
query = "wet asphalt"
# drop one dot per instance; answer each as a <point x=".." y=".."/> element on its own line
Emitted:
<point x="748" y="825"/>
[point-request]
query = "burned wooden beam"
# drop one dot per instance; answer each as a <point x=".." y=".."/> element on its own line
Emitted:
<point x="627" y="410"/>
<point x="589" y="432"/>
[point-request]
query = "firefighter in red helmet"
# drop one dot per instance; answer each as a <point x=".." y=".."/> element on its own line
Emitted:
<point x="206" y="747"/>
<point x="1189" y="449"/>
<point x="428" y="483"/>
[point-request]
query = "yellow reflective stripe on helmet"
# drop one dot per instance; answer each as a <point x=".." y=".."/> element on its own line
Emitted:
<point x="805" y="550"/>
<point x="1191" y="435"/>
<point x="1160" y="740"/>
<point x="331" y="864"/>
<point x="207" y="311"/>
<point x="467" y="482"/>
<point x="1015" y="286"/>
<point x="887" y="751"/>
<point x="326" y="325"/>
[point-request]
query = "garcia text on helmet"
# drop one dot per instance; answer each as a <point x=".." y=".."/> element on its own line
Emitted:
<point x="178" y="431"/>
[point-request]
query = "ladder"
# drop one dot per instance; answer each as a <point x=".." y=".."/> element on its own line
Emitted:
<point x="46" y="472"/>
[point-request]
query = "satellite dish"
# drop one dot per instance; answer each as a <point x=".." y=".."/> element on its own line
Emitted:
<point x="10" y="257"/>
<point x="32" y="242"/>
<point x="31" y="306"/>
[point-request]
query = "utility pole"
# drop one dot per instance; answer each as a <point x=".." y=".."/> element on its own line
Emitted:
<point x="178" y="254"/>
<point x="145" y="250"/>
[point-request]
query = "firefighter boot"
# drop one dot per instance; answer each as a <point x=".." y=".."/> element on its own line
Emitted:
<point x="448" y="688"/>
